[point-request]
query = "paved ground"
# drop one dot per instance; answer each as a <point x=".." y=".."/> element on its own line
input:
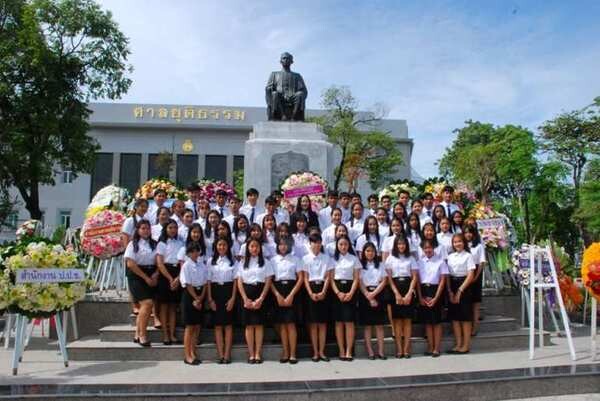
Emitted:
<point x="44" y="365"/>
<point x="577" y="397"/>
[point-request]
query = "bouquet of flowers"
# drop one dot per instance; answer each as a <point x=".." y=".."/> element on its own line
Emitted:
<point x="464" y="196"/>
<point x="209" y="188"/>
<point x="393" y="188"/>
<point x="435" y="186"/>
<point x="4" y="290"/>
<point x="590" y="269"/>
<point x="101" y="234"/>
<point x="41" y="299"/>
<point x="29" y="229"/>
<point x="146" y="191"/>
<point x="304" y="183"/>
<point x="110" y="197"/>
<point x="522" y="269"/>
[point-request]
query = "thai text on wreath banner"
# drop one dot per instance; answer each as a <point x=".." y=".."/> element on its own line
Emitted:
<point x="490" y="223"/>
<point x="316" y="189"/>
<point x="51" y="275"/>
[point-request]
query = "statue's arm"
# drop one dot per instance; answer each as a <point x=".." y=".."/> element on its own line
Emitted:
<point x="301" y="86"/>
<point x="270" y="88"/>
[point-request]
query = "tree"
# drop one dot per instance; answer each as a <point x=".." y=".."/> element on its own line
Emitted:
<point x="7" y="207"/>
<point x="588" y="212"/>
<point x="55" y="55"/>
<point x="364" y="149"/>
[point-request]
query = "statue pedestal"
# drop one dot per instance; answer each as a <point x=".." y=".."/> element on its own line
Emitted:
<point x="277" y="148"/>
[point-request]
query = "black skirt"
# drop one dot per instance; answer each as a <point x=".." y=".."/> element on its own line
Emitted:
<point x="138" y="288"/>
<point x="317" y="312"/>
<point x="191" y="316"/>
<point x="252" y="317"/>
<point x="403" y="311"/>
<point x="221" y="294"/>
<point x="344" y="311"/>
<point x="430" y="315"/>
<point x="165" y="294"/>
<point x="477" y="289"/>
<point x="462" y="311"/>
<point x="371" y="316"/>
<point x="285" y="314"/>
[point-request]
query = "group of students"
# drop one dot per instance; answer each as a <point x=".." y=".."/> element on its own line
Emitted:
<point x="344" y="264"/>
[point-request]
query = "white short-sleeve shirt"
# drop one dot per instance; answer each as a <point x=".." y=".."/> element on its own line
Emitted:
<point x="223" y="271"/>
<point x="362" y="241"/>
<point x="460" y="263"/>
<point x="155" y="231"/>
<point x="440" y="251"/>
<point x="328" y="234"/>
<point x="401" y="266"/>
<point x="182" y="232"/>
<point x="286" y="267"/>
<point x="478" y="253"/>
<point x="268" y="250"/>
<point x="301" y="245"/>
<point x="145" y="256"/>
<point x="445" y="239"/>
<point x="431" y="269"/>
<point x="169" y="250"/>
<point x="345" y="266"/>
<point x="254" y="273"/>
<point x="414" y="241"/>
<point x="330" y="249"/>
<point x="355" y="230"/>
<point x="371" y="276"/>
<point x="182" y="257"/>
<point x="129" y="225"/>
<point x="316" y="266"/>
<point x="388" y="243"/>
<point x="193" y="273"/>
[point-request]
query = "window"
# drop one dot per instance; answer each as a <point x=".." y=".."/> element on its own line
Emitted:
<point x="158" y="165"/>
<point x="129" y="171"/>
<point x="102" y="173"/>
<point x="12" y="220"/>
<point x="67" y="177"/>
<point x="238" y="163"/>
<point x="64" y="218"/>
<point x="187" y="169"/>
<point x="215" y="167"/>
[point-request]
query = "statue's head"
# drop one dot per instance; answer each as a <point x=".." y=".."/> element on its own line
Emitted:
<point x="286" y="59"/>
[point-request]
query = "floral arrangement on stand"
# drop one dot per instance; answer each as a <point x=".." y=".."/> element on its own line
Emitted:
<point x="464" y="196"/>
<point x="29" y="228"/>
<point x="304" y="183"/>
<point x="39" y="299"/>
<point x="101" y="234"/>
<point x="493" y="229"/>
<point x="110" y="197"/>
<point x="590" y="269"/>
<point x="209" y="188"/>
<point x="435" y="185"/>
<point x="393" y="188"/>
<point x="146" y="191"/>
<point x="522" y="269"/>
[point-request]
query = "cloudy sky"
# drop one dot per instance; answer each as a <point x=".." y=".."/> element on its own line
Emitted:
<point x="433" y="63"/>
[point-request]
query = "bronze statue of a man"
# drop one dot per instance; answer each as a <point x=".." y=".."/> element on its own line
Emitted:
<point x="286" y="93"/>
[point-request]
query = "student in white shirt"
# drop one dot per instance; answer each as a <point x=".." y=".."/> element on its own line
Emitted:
<point x="268" y="228"/>
<point x="193" y="192"/>
<point x="428" y="232"/>
<point x="346" y="281"/>
<point x="142" y="276"/>
<point x="383" y="221"/>
<point x="256" y="233"/>
<point x="203" y="209"/>
<point x="370" y="234"/>
<point x="328" y="233"/>
<point x="356" y="223"/>
<point x="317" y="280"/>
<point x="447" y="202"/>
<point x="417" y="208"/>
<point x="461" y="267"/>
<point x="224" y="231"/>
<point x="438" y="214"/>
<point x="372" y="309"/>
<point x="396" y="228"/>
<point x="300" y="237"/>
<point x="340" y="231"/>
<point x="140" y="208"/>
<point x="254" y="276"/>
<point x="427" y="200"/>
<point x="194" y="280"/>
<point x="477" y="249"/>
<point x="177" y="209"/>
<point x="402" y="273"/>
<point x="159" y="198"/>
<point x="169" y="290"/>
<point x="373" y="202"/>
<point x="164" y="215"/>
<point x="221" y="204"/>
<point x="413" y="233"/>
<point x="252" y="209"/>
<point x="456" y="222"/>
<point x="270" y="209"/>
<point x="287" y="282"/>
<point x="444" y="237"/>
<point x="222" y="294"/>
<point x="433" y="273"/>
<point x="195" y="235"/>
<point x="240" y="233"/>
<point x="234" y="210"/>
<point x="186" y="221"/>
<point x="325" y="213"/>
<point x="210" y="231"/>
<point x="345" y="207"/>
<point x="281" y="214"/>
<point x="399" y="212"/>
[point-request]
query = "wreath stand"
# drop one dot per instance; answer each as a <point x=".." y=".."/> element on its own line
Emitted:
<point x="594" y="325"/>
<point x="20" y="340"/>
<point x="536" y="257"/>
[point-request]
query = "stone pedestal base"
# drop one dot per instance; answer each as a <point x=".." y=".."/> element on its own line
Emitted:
<point x="276" y="149"/>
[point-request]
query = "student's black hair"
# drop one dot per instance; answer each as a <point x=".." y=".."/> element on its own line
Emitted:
<point x="435" y="220"/>
<point x="277" y="193"/>
<point x="332" y="193"/>
<point x="192" y="247"/>
<point x="270" y="200"/>
<point x="386" y="197"/>
<point x="453" y="225"/>
<point x="398" y="239"/>
<point x="409" y="230"/>
<point x="387" y="216"/>
<point x="236" y="230"/>
<point x="164" y="236"/>
<point x="264" y="230"/>
<point x="186" y="210"/>
<point x="363" y="255"/>
<point x="355" y="195"/>
<point x="255" y="226"/>
<point x="228" y="237"/>
<point x="193" y="187"/>
<point x="160" y="209"/>
<point x="373" y="197"/>
<point x="449" y="224"/>
<point x="136" y="236"/>
<point x="402" y="231"/>
<point x="403" y="191"/>
<point x="426" y="195"/>
<point x="299" y="204"/>
<point x="208" y="228"/>
<point x="469" y="228"/>
<point x="344" y="194"/>
<point x="429" y="242"/>
<point x="433" y="240"/>
<point x="234" y="198"/>
<point x="366" y="229"/>
<point x="298" y="217"/>
<point x="463" y="239"/>
<point x="337" y="249"/>
<point x="221" y="192"/>
<point x="315" y="237"/>
<point x="188" y="240"/>
<point x="288" y="241"/>
<point x="159" y="191"/>
<point x="417" y="201"/>
<point x="136" y="205"/>
<point x="252" y="191"/>
<point x="448" y="188"/>
<point x="215" y="255"/>
<point x="403" y="210"/>
<point x="247" y="256"/>
<point x="338" y="209"/>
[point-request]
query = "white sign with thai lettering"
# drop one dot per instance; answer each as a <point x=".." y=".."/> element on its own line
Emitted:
<point x="50" y="275"/>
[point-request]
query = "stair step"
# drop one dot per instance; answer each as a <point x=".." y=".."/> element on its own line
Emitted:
<point x="93" y="349"/>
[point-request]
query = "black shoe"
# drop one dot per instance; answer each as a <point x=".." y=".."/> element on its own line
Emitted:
<point x="435" y="354"/>
<point x="315" y="359"/>
<point x="371" y="357"/>
<point x="407" y="356"/>
<point x="293" y="361"/>
<point x="383" y="357"/>
<point x="258" y="361"/>
<point x="324" y="359"/>
<point x="349" y="358"/>
<point x="167" y="342"/>
<point x="399" y="356"/>
<point x="194" y="362"/>
<point x="145" y="344"/>
<point x="284" y="360"/>
<point x="427" y="353"/>
<point x="226" y="361"/>
<point x="251" y="361"/>
<point x="136" y="340"/>
<point x="461" y="352"/>
<point x="452" y="352"/>
<point x="221" y="361"/>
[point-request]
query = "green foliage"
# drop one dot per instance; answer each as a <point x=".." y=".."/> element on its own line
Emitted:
<point x="55" y="55"/>
<point x="365" y="149"/>
<point x="59" y="234"/>
<point x="7" y="207"/>
<point x="238" y="183"/>
<point x="588" y="212"/>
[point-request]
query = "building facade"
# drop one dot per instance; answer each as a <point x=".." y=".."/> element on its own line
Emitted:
<point x="200" y="141"/>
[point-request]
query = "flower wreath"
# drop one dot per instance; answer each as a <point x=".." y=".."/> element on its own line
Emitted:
<point x="208" y="189"/>
<point x="304" y="183"/>
<point x="590" y="269"/>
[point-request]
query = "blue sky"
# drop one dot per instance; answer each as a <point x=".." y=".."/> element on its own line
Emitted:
<point x="433" y="63"/>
